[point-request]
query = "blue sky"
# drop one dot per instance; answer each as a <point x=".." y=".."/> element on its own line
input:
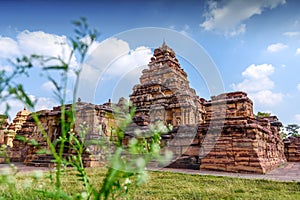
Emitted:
<point x="254" y="45"/>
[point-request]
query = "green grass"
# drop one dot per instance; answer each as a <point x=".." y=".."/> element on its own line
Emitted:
<point x="164" y="185"/>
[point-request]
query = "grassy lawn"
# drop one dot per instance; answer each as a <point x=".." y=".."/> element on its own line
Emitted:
<point x="164" y="185"/>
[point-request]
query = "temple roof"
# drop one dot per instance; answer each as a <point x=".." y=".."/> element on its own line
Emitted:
<point x="23" y="112"/>
<point x="163" y="50"/>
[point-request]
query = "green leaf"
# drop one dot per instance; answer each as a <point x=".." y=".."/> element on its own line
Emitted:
<point x="33" y="142"/>
<point x="21" y="138"/>
<point x="56" y="67"/>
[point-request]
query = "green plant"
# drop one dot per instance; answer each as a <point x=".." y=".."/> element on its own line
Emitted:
<point x="283" y="134"/>
<point x="126" y="165"/>
<point x="263" y="114"/>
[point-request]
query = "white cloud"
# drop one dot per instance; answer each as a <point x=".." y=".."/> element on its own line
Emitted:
<point x="256" y="78"/>
<point x="128" y="62"/>
<point x="172" y="27"/>
<point x="239" y="30"/>
<point x="42" y="43"/>
<point x="255" y="85"/>
<point x="8" y="47"/>
<point x="298" y="51"/>
<point x="37" y="42"/>
<point x="101" y="58"/>
<point x="298" y="86"/>
<point x="102" y="54"/>
<point x="42" y="103"/>
<point x="92" y="47"/>
<point x="258" y="71"/>
<point x="6" y="68"/>
<point x="266" y="98"/>
<point x="297" y="118"/>
<point x="258" y="85"/>
<point x="276" y="47"/>
<point x="15" y="106"/>
<point x="111" y="61"/>
<point x="291" y="34"/>
<point x="185" y="30"/>
<point x="227" y="16"/>
<point x="48" y="86"/>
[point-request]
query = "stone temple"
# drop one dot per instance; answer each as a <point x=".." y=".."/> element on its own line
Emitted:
<point x="164" y="93"/>
<point x="217" y="134"/>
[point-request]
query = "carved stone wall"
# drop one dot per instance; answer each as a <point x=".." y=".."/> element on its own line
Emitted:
<point x="233" y="140"/>
<point x="8" y="132"/>
<point x="16" y="125"/>
<point x="96" y="120"/>
<point x="292" y="149"/>
<point x="241" y="147"/>
<point x="229" y="105"/>
<point x="20" y="148"/>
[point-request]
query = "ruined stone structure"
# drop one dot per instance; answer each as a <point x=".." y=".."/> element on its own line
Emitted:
<point x="16" y="125"/>
<point x="94" y="119"/>
<point x="292" y="149"/>
<point x="3" y="125"/>
<point x="217" y="134"/>
<point x="244" y="143"/>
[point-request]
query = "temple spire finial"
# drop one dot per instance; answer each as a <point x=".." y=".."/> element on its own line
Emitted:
<point x="164" y="43"/>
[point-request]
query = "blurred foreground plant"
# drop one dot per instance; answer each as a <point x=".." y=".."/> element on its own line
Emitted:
<point x="126" y="165"/>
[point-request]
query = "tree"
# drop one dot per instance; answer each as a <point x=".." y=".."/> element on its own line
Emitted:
<point x="283" y="133"/>
<point x="292" y="129"/>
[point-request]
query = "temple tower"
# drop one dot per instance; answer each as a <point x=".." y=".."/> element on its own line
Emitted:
<point x="164" y="92"/>
<point x="15" y="126"/>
